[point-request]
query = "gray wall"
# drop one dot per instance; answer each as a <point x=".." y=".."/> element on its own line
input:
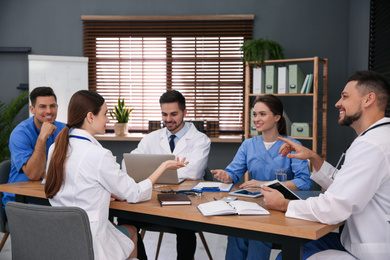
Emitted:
<point x="333" y="29"/>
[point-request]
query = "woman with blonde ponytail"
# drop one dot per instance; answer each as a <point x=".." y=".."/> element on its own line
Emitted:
<point x="82" y="173"/>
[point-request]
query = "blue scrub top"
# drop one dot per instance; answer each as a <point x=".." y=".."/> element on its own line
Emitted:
<point x="261" y="163"/>
<point x="21" y="145"/>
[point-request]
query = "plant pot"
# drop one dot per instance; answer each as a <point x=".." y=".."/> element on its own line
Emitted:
<point x="121" y="129"/>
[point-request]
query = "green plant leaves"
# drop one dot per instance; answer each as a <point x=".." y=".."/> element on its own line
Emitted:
<point x="8" y="113"/>
<point x="121" y="113"/>
<point x="261" y="49"/>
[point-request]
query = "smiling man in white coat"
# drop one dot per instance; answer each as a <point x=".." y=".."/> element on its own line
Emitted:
<point x="185" y="141"/>
<point x="188" y="141"/>
<point x="359" y="192"/>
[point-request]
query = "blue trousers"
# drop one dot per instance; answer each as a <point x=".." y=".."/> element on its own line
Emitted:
<point x="329" y="241"/>
<point x="242" y="249"/>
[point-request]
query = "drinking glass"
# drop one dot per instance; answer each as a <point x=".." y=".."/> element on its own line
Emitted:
<point x="281" y="175"/>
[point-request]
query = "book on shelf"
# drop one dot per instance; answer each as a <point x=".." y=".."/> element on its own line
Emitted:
<point x="309" y="85"/>
<point x="295" y="79"/>
<point x="237" y="207"/>
<point x="258" y="81"/>
<point x="282" y="80"/>
<point x="173" y="199"/>
<point x="271" y="79"/>
<point x="303" y="89"/>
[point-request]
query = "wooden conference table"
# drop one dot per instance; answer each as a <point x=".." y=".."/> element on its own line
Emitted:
<point x="290" y="233"/>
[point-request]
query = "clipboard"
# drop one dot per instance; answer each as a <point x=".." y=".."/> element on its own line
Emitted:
<point x="212" y="186"/>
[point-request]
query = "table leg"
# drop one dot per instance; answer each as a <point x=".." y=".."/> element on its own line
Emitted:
<point x="293" y="249"/>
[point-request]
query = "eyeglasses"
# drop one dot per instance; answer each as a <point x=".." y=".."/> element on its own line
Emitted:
<point x="167" y="189"/>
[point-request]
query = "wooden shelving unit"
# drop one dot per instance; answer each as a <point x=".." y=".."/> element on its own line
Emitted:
<point x="320" y="103"/>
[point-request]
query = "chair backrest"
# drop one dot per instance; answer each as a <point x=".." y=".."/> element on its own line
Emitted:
<point x="45" y="232"/>
<point x="208" y="175"/>
<point x="5" y="168"/>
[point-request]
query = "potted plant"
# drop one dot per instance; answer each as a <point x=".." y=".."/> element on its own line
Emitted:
<point x="261" y="49"/>
<point x="8" y="113"/>
<point x="121" y="114"/>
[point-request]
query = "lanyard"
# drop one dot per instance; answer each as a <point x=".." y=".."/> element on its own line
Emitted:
<point x="79" y="137"/>
<point x="342" y="157"/>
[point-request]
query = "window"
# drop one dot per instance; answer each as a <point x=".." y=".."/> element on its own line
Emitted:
<point x="138" y="58"/>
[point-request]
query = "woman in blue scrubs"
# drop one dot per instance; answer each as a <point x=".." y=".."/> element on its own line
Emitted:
<point x="260" y="156"/>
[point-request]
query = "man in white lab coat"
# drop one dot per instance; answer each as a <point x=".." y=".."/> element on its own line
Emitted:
<point x="358" y="193"/>
<point x="185" y="141"/>
<point x="188" y="141"/>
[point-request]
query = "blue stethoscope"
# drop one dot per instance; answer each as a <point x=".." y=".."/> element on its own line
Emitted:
<point x="79" y="137"/>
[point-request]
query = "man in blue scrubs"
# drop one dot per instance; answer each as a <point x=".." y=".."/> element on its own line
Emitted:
<point x="30" y="140"/>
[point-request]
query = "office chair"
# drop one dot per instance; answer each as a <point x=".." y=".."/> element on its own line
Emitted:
<point x="208" y="176"/>
<point x="46" y="233"/>
<point x="5" y="168"/>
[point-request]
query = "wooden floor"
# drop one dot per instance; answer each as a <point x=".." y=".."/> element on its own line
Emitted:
<point x="216" y="243"/>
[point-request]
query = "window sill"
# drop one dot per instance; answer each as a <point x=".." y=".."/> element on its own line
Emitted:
<point x="139" y="136"/>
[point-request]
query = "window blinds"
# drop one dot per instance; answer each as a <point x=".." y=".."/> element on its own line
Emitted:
<point x="138" y="58"/>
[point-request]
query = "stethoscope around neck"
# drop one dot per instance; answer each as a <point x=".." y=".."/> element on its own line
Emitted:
<point x="342" y="157"/>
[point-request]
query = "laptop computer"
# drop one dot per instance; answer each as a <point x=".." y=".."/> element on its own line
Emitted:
<point x="141" y="166"/>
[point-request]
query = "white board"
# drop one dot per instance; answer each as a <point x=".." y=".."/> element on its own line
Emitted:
<point x="64" y="74"/>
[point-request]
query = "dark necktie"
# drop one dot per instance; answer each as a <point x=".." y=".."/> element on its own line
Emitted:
<point x="172" y="142"/>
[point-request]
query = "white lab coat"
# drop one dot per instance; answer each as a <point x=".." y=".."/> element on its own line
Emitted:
<point x="91" y="175"/>
<point x="194" y="146"/>
<point x="359" y="194"/>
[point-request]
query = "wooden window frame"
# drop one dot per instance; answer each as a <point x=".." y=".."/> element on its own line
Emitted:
<point x="225" y="70"/>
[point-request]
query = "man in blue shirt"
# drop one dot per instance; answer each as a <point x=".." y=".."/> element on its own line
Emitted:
<point x="30" y="140"/>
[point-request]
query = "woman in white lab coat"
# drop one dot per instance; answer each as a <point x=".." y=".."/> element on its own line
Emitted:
<point x="82" y="173"/>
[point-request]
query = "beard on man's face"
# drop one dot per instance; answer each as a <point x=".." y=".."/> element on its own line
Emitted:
<point x="349" y="120"/>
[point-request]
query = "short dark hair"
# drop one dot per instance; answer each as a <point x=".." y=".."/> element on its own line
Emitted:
<point x="371" y="81"/>
<point x="41" y="92"/>
<point x="172" y="96"/>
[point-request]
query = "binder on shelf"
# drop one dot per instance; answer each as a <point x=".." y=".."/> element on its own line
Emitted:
<point x="258" y="81"/>
<point x="303" y="89"/>
<point x="282" y="80"/>
<point x="295" y="79"/>
<point x="271" y="79"/>
<point x="309" y="84"/>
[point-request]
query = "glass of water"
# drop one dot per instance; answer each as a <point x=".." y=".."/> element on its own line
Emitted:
<point x="281" y="175"/>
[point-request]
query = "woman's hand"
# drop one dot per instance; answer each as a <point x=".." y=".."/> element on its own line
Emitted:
<point x="252" y="184"/>
<point x="167" y="165"/>
<point x="222" y="175"/>
<point x="175" y="164"/>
